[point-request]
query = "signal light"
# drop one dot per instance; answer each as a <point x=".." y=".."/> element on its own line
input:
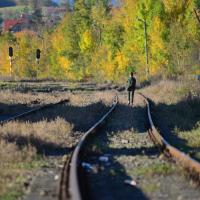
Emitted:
<point x="38" y="54"/>
<point x="10" y="51"/>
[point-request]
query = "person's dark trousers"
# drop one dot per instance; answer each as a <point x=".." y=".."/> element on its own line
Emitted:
<point x="131" y="96"/>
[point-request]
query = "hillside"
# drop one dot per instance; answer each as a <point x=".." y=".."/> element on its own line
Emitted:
<point x="7" y="3"/>
<point x="11" y="3"/>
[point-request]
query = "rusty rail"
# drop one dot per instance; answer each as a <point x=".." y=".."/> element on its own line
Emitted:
<point x="187" y="162"/>
<point x="69" y="184"/>
<point x="32" y="111"/>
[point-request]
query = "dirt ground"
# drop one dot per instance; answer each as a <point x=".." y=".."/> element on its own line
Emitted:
<point x="33" y="149"/>
<point x="132" y="157"/>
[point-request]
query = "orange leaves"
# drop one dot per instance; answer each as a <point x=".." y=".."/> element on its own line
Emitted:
<point x="4" y="59"/>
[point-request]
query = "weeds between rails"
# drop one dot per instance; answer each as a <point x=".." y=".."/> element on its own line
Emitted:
<point x="191" y="165"/>
<point x="66" y="188"/>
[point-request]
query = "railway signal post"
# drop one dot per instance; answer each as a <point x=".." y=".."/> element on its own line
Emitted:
<point x="38" y="52"/>
<point x="10" y="52"/>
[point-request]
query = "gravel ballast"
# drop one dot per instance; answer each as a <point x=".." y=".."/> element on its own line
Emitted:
<point x="135" y="168"/>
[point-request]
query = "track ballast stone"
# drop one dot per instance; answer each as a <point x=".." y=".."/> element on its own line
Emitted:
<point x="131" y="156"/>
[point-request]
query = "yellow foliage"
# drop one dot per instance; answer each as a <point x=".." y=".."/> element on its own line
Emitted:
<point x="158" y="46"/>
<point x="86" y="42"/>
<point x="176" y="6"/>
<point x="57" y="41"/>
<point x="128" y="14"/>
<point x="155" y="35"/>
<point x="64" y="63"/>
<point x="121" y="61"/>
<point x="109" y="71"/>
<point x="65" y="66"/>
<point x="4" y="60"/>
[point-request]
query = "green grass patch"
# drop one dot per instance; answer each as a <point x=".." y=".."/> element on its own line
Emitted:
<point x="7" y="85"/>
<point x="14" y="177"/>
<point x="12" y="195"/>
<point x="155" y="169"/>
<point x="150" y="188"/>
<point x="192" y="137"/>
<point x="182" y="91"/>
<point x="35" y="164"/>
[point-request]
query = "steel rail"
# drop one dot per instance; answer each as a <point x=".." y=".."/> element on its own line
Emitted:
<point x="32" y="111"/>
<point x="187" y="162"/>
<point x="69" y="185"/>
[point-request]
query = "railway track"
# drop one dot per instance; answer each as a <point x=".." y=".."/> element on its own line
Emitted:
<point x="24" y="114"/>
<point x="191" y="165"/>
<point x="70" y="187"/>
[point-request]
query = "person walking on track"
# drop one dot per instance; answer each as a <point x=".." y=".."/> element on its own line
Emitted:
<point x="131" y="88"/>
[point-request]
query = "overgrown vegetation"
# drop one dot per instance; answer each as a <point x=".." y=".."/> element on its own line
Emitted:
<point x="22" y="147"/>
<point x="176" y="112"/>
<point x="26" y="144"/>
<point x="155" y="169"/>
<point x="105" y="42"/>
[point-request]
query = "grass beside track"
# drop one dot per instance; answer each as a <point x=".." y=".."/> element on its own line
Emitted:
<point x="131" y="157"/>
<point x="176" y="112"/>
<point x="26" y="144"/>
<point x="23" y="148"/>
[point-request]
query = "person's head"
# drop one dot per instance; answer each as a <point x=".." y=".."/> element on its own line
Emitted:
<point x="131" y="74"/>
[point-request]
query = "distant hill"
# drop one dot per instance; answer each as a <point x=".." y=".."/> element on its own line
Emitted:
<point x="7" y="3"/>
<point x="11" y="3"/>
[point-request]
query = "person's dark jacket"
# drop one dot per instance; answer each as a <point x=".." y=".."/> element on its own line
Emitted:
<point x="131" y="84"/>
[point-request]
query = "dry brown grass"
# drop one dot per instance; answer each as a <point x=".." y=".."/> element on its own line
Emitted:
<point x="170" y="92"/>
<point x="25" y="143"/>
<point x="176" y="111"/>
<point x="84" y="98"/>
<point x="30" y="98"/>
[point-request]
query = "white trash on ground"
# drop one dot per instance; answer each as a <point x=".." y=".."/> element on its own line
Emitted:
<point x="130" y="182"/>
<point x="87" y="166"/>
<point x="104" y="158"/>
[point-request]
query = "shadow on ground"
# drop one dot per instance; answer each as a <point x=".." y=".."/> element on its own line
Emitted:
<point x="80" y="118"/>
<point x="9" y="110"/>
<point x="42" y="147"/>
<point x="182" y="116"/>
<point x="124" y="118"/>
<point x="104" y="184"/>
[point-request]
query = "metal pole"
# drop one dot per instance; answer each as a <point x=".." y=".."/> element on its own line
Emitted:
<point x="10" y="66"/>
<point x="37" y="63"/>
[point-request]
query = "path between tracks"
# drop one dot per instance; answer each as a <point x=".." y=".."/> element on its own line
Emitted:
<point x="132" y="156"/>
<point x="46" y="181"/>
